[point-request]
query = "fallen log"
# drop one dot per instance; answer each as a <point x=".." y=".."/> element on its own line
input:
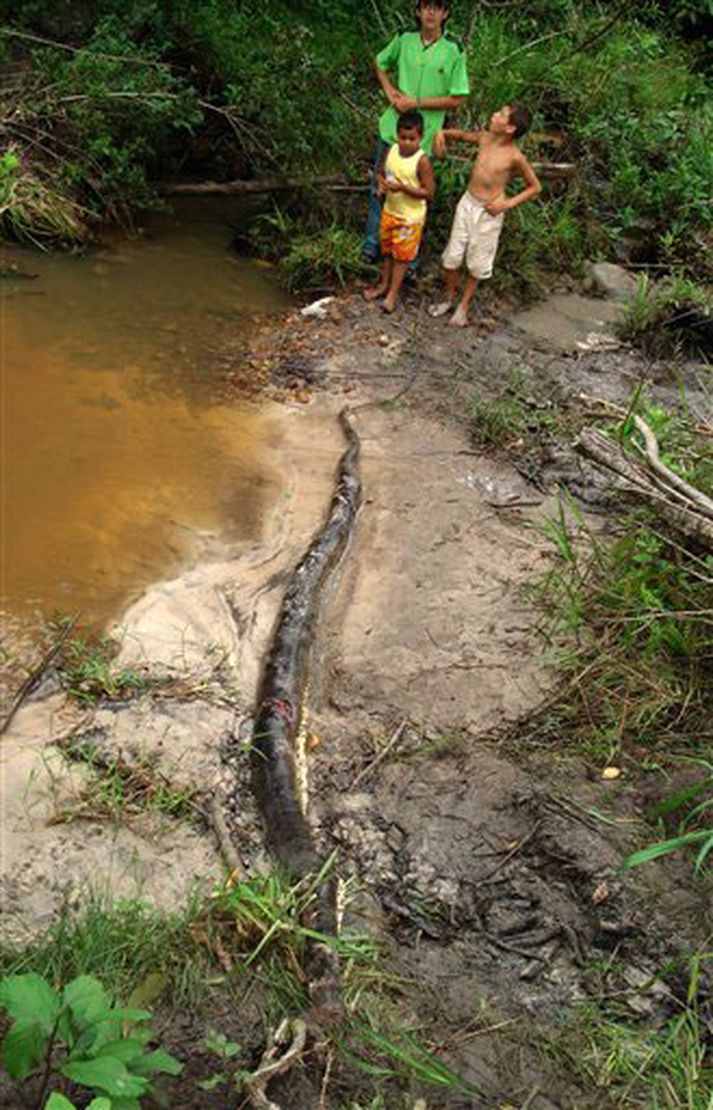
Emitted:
<point x="248" y="188"/>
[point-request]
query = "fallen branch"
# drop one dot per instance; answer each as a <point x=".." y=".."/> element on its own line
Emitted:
<point x="391" y="743"/>
<point x="36" y="674"/>
<point x="250" y="188"/>
<point x="651" y="452"/>
<point x="683" y="514"/>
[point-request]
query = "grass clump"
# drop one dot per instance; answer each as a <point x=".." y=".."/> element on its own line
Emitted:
<point x="675" y="315"/>
<point x="85" y="664"/>
<point x="138" y="952"/>
<point x="629" y="617"/>
<point x="31" y="209"/>
<point x="516" y="417"/>
<point x="640" y="1066"/>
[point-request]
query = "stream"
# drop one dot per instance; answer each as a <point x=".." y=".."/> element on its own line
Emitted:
<point x="123" y="451"/>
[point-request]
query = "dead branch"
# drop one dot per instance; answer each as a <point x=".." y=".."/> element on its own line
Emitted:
<point x="651" y="451"/>
<point x="36" y="673"/>
<point x="685" y="516"/>
<point x="555" y="169"/>
<point x="249" y="188"/>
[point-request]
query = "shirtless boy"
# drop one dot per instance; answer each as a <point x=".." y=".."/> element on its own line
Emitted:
<point x="405" y="178"/>
<point x="479" y="215"/>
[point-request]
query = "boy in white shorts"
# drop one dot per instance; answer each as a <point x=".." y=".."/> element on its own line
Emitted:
<point x="479" y="215"/>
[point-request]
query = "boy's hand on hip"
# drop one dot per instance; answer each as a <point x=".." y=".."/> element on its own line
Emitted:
<point x="497" y="207"/>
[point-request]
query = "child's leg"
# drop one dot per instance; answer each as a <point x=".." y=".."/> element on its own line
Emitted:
<point x="398" y="273"/>
<point x="375" y="291"/>
<point x="451" y="280"/>
<point x="460" y="316"/>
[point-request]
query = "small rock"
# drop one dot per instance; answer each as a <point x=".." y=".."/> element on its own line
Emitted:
<point x="610" y="774"/>
<point x="384" y="341"/>
<point x="610" y="280"/>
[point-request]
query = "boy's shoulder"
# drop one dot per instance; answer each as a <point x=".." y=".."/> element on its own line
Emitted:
<point x="455" y="41"/>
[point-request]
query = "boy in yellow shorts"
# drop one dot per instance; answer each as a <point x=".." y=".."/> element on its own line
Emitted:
<point x="406" y="179"/>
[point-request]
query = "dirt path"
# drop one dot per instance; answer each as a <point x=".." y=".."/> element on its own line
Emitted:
<point x="492" y="876"/>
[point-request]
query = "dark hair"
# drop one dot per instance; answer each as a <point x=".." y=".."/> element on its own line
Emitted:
<point x="438" y="3"/>
<point x="520" y="119"/>
<point x="410" y="119"/>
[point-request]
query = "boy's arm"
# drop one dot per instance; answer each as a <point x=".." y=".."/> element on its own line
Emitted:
<point x="441" y="138"/>
<point x="403" y="103"/>
<point x="391" y="92"/>
<point x="459" y="136"/>
<point x="532" y="188"/>
<point x="381" y="172"/>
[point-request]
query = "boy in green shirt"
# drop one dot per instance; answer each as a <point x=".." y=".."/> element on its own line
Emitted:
<point x="429" y="70"/>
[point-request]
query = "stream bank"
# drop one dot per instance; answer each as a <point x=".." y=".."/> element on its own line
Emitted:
<point x="490" y="875"/>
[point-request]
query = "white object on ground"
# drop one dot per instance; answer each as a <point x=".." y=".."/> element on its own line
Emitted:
<point x="440" y="309"/>
<point x="598" y="341"/>
<point x="317" y="308"/>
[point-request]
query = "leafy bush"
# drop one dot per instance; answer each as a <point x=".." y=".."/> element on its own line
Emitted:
<point x="78" y="1034"/>
<point x="136" y="89"/>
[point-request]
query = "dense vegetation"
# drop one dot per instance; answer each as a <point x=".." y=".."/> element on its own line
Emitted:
<point x="100" y="99"/>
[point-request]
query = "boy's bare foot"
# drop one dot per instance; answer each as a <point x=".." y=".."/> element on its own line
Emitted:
<point x="374" y="291"/>
<point x="459" y="319"/>
<point x="440" y="309"/>
<point x="388" y="304"/>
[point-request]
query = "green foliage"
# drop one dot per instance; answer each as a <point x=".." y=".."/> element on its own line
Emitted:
<point x="696" y="825"/>
<point x="636" y="1065"/>
<point x="325" y="256"/>
<point x="274" y="87"/>
<point x="85" y="665"/>
<point x="139" y="952"/>
<point x="30" y="208"/>
<point x="514" y="417"/>
<point x="674" y="314"/>
<point x="79" y="1034"/>
<point x="630" y="617"/>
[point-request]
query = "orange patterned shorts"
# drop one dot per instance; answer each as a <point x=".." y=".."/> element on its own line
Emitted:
<point x="399" y="239"/>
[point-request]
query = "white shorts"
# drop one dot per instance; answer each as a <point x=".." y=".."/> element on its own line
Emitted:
<point x="474" y="237"/>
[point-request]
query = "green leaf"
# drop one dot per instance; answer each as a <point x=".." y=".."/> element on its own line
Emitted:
<point x="149" y="989"/>
<point x="59" y="1102"/>
<point x="127" y="1049"/>
<point x="85" y="998"/>
<point x="23" y="1048"/>
<point x="106" y="1074"/>
<point x="29" y="997"/>
<point x="158" y="1061"/>
<point x="102" y="1104"/>
<point x="117" y="1014"/>
<point x="655" y="850"/>
<point x="212" y="1082"/>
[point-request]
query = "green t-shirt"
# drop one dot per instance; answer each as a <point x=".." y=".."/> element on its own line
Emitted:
<point x="435" y="70"/>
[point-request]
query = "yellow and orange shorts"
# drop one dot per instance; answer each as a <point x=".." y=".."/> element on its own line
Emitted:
<point x="399" y="239"/>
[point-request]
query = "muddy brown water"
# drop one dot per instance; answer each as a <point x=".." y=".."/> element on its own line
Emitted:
<point x="118" y="458"/>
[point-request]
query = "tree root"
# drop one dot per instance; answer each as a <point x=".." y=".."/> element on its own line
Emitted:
<point x="290" y="1033"/>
